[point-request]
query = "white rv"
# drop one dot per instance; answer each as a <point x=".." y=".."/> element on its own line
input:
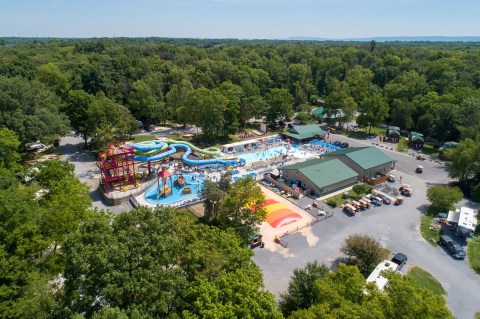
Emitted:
<point x="465" y="219"/>
<point x="376" y="276"/>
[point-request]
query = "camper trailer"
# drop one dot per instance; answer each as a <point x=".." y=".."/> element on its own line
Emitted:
<point x="465" y="220"/>
<point x="376" y="276"/>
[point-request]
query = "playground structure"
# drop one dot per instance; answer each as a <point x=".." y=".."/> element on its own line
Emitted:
<point x="180" y="182"/>
<point x="119" y="163"/>
<point x="117" y="168"/>
<point x="164" y="190"/>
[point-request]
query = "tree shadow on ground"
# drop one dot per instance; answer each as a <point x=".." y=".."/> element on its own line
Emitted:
<point x="339" y="260"/>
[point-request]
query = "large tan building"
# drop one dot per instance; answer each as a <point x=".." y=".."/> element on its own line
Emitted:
<point x="366" y="161"/>
<point x="320" y="176"/>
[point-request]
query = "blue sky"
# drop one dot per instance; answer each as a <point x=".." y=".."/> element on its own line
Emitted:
<point x="246" y="19"/>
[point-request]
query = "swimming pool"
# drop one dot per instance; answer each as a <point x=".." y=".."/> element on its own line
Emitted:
<point x="266" y="154"/>
<point x="194" y="184"/>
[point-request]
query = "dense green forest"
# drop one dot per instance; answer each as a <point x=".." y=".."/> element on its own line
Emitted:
<point x="219" y="84"/>
<point x="61" y="259"/>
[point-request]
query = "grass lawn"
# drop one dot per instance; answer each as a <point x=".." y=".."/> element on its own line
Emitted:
<point x="427" y="233"/>
<point x="189" y="215"/>
<point x="426" y="280"/>
<point x="429" y="149"/>
<point x="143" y="138"/>
<point x="474" y="254"/>
<point x="402" y="145"/>
<point x="338" y="200"/>
<point x="477" y="315"/>
<point x="362" y="132"/>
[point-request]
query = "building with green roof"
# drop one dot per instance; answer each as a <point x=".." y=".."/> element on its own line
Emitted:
<point x="302" y="133"/>
<point x="416" y="140"/>
<point x="320" y="176"/>
<point x="366" y="161"/>
<point x="321" y="114"/>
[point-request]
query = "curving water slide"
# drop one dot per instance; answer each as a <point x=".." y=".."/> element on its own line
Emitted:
<point x="149" y="151"/>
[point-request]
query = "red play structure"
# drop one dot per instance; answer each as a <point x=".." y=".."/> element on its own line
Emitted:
<point x="118" y="168"/>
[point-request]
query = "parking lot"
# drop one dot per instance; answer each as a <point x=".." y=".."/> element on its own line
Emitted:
<point x="397" y="227"/>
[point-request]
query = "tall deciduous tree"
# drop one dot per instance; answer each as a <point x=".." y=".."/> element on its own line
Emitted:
<point x="109" y="121"/>
<point x="207" y="107"/>
<point x="302" y="290"/>
<point x="358" y="80"/>
<point x="9" y="145"/>
<point x="279" y="105"/>
<point x="443" y="198"/>
<point x="241" y="209"/>
<point x="238" y="294"/>
<point x="144" y="105"/>
<point x="341" y="294"/>
<point x="364" y="251"/>
<point x="77" y="103"/>
<point x="465" y="160"/>
<point x="31" y="110"/>
<point x="373" y="109"/>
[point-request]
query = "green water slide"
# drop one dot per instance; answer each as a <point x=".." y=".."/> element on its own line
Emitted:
<point x="210" y="151"/>
<point x="149" y="148"/>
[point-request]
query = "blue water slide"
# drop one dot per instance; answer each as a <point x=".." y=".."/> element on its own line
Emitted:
<point x="172" y="149"/>
<point x="148" y="146"/>
<point x="156" y="157"/>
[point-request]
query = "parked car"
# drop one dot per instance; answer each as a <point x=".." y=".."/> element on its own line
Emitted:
<point x="337" y="143"/>
<point x="385" y="199"/>
<point x="344" y="145"/>
<point x="419" y="169"/>
<point x="453" y="246"/>
<point x="398" y="201"/>
<point x="391" y="178"/>
<point x="377" y="201"/>
<point x="400" y="259"/>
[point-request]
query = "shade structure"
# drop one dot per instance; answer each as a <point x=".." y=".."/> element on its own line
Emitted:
<point x="278" y="214"/>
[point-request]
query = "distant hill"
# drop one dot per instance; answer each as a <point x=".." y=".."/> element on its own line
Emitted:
<point x="392" y="39"/>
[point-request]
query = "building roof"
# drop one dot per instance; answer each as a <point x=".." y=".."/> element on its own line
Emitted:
<point x="318" y="112"/>
<point x="393" y="130"/>
<point x="415" y="136"/>
<point x="449" y="145"/>
<point x="305" y="131"/>
<point x="365" y="157"/>
<point x="323" y="172"/>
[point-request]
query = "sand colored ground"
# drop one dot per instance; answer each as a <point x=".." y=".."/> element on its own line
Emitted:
<point x="269" y="232"/>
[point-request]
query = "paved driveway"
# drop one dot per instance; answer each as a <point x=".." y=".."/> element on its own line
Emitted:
<point x="71" y="149"/>
<point x="396" y="227"/>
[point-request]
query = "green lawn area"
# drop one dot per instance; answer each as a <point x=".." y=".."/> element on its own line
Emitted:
<point x="426" y="280"/>
<point x="402" y="145"/>
<point x="338" y="200"/>
<point x="474" y="254"/>
<point x="429" y="149"/>
<point x="477" y="315"/>
<point x="362" y="132"/>
<point x="143" y="138"/>
<point x="189" y="215"/>
<point x="427" y="233"/>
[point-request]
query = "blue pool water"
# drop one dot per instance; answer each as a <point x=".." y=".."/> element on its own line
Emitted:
<point x="262" y="155"/>
<point x="196" y="185"/>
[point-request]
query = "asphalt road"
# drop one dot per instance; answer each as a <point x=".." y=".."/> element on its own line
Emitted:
<point x="396" y="227"/>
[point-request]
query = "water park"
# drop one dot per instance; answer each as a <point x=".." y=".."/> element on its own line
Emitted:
<point x="129" y="168"/>
<point x="172" y="173"/>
